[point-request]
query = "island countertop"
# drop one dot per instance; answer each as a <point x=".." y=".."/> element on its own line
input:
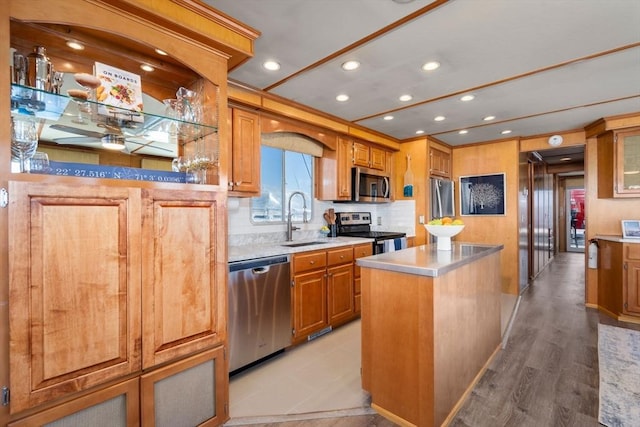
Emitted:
<point x="427" y="260"/>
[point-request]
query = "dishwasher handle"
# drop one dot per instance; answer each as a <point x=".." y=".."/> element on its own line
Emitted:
<point x="260" y="270"/>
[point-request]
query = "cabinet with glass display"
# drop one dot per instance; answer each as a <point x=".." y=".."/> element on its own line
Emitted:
<point x="115" y="226"/>
<point x="619" y="164"/>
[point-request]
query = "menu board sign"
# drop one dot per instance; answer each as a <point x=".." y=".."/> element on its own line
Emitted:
<point x="120" y="94"/>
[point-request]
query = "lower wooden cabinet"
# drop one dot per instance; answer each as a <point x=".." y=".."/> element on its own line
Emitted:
<point x="108" y="282"/>
<point x="191" y="392"/>
<point x="340" y="285"/>
<point x="619" y="278"/>
<point x="113" y="406"/>
<point x="323" y="290"/>
<point x="359" y="251"/>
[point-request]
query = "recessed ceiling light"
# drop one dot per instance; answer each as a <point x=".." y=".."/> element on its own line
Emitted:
<point x="565" y="159"/>
<point x="387" y="118"/>
<point x="430" y="66"/>
<point x="405" y="98"/>
<point x="271" y="65"/>
<point x="147" y="67"/>
<point x="467" y="98"/>
<point x="350" y="65"/>
<point x="342" y="97"/>
<point x="161" y="52"/>
<point x="463" y="132"/>
<point x="75" y="45"/>
<point x="506" y="131"/>
<point x="438" y="118"/>
<point x="488" y="118"/>
<point x="419" y="132"/>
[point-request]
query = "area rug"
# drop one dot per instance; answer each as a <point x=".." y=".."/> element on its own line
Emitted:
<point x="619" y="363"/>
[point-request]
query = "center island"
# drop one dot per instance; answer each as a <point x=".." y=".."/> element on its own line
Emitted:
<point x="430" y="326"/>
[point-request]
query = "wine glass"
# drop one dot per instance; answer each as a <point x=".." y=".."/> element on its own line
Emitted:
<point x="24" y="140"/>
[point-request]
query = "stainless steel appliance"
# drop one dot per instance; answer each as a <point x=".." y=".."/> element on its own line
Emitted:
<point x="259" y="310"/>
<point x="370" y="185"/>
<point x="441" y="194"/>
<point x="358" y="224"/>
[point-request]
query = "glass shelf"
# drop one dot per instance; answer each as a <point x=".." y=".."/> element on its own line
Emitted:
<point x="69" y="121"/>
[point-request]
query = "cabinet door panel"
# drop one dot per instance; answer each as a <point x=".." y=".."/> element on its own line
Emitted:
<point x="74" y="288"/>
<point x="183" y="277"/>
<point x="310" y="302"/>
<point x="633" y="288"/>
<point x="361" y="154"/>
<point x="340" y="291"/>
<point x="378" y="159"/>
<point x="245" y="175"/>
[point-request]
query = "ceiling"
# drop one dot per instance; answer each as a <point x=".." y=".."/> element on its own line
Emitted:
<point x="539" y="66"/>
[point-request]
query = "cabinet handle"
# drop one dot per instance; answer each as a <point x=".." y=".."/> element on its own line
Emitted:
<point x="341" y="256"/>
<point x="312" y="262"/>
<point x="230" y="184"/>
<point x="238" y="182"/>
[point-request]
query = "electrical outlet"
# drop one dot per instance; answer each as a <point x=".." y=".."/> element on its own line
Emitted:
<point x="421" y="219"/>
<point x="379" y="220"/>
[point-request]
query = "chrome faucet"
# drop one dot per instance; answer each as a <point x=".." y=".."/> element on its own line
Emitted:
<point x="290" y="226"/>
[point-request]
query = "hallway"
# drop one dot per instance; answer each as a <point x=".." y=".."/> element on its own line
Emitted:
<point x="548" y="373"/>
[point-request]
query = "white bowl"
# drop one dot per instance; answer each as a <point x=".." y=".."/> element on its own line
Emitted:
<point x="444" y="230"/>
<point x="444" y="233"/>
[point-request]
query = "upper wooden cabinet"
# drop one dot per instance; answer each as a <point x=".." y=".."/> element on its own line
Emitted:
<point x="619" y="164"/>
<point x="244" y="176"/>
<point x="333" y="172"/>
<point x="369" y="156"/>
<point x="439" y="163"/>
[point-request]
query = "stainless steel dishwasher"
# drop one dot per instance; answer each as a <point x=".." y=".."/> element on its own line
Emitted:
<point x="259" y="310"/>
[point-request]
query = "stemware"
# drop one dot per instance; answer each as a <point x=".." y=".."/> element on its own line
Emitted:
<point x="24" y="140"/>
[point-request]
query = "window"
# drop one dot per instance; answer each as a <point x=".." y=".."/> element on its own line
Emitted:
<point x="282" y="173"/>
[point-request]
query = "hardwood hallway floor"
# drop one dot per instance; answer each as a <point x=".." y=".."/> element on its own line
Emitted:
<point x="548" y="373"/>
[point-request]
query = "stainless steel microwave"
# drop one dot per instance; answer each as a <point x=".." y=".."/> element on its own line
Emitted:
<point x="370" y="186"/>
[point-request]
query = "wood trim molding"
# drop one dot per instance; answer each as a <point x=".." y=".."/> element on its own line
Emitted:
<point x="271" y="124"/>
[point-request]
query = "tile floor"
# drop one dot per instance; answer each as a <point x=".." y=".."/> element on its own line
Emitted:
<point x="321" y="376"/>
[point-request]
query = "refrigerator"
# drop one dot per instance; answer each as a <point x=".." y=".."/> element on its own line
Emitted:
<point x="441" y="196"/>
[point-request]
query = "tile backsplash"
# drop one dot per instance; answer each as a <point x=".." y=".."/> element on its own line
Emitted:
<point x="396" y="216"/>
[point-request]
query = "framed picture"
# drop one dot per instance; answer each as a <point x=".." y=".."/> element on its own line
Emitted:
<point x="482" y="194"/>
<point x="631" y="229"/>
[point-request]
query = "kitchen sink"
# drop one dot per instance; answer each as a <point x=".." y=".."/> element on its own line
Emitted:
<point x="297" y="244"/>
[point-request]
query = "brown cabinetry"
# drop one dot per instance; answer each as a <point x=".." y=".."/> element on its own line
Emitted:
<point x="340" y="285"/>
<point x="323" y="290"/>
<point x="359" y="251"/>
<point x="99" y="277"/>
<point x="619" y="278"/>
<point x="369" y="156"/>
<point x="619" y="164"/>
<point x="109" y="284"/>
<point x="244" y="176"/>
<point x="309" y="293"/>
<point x="439" y="163"/>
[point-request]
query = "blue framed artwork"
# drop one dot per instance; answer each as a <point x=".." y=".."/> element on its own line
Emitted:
<point x="482" y="194"/>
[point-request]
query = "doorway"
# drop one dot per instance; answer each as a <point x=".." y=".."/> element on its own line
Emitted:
<point x="575" y="220"/>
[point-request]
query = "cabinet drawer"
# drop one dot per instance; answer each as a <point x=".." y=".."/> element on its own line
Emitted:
<point x="632" y="251"/>
<point x="340" y="256"/>
<point x="309" y="261"/>
<point x="363" y="250"/>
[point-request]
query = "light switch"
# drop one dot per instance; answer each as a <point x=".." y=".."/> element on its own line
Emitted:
<point x="421" y="219"/>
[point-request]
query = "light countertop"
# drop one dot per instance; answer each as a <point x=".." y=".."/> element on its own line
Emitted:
<point x="618" y="238"/>
<point x="244" y="252"/>
<point x="427" y="260"/>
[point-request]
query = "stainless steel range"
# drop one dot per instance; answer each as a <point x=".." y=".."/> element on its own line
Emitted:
<point x="358" y="224"/>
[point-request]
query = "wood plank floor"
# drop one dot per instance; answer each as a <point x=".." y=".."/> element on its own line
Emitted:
<point x="548" y="373"/>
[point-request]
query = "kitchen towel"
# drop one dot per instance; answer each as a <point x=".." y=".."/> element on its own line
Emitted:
<point x="389" y="245"/>
<point x="400" y="243"/>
